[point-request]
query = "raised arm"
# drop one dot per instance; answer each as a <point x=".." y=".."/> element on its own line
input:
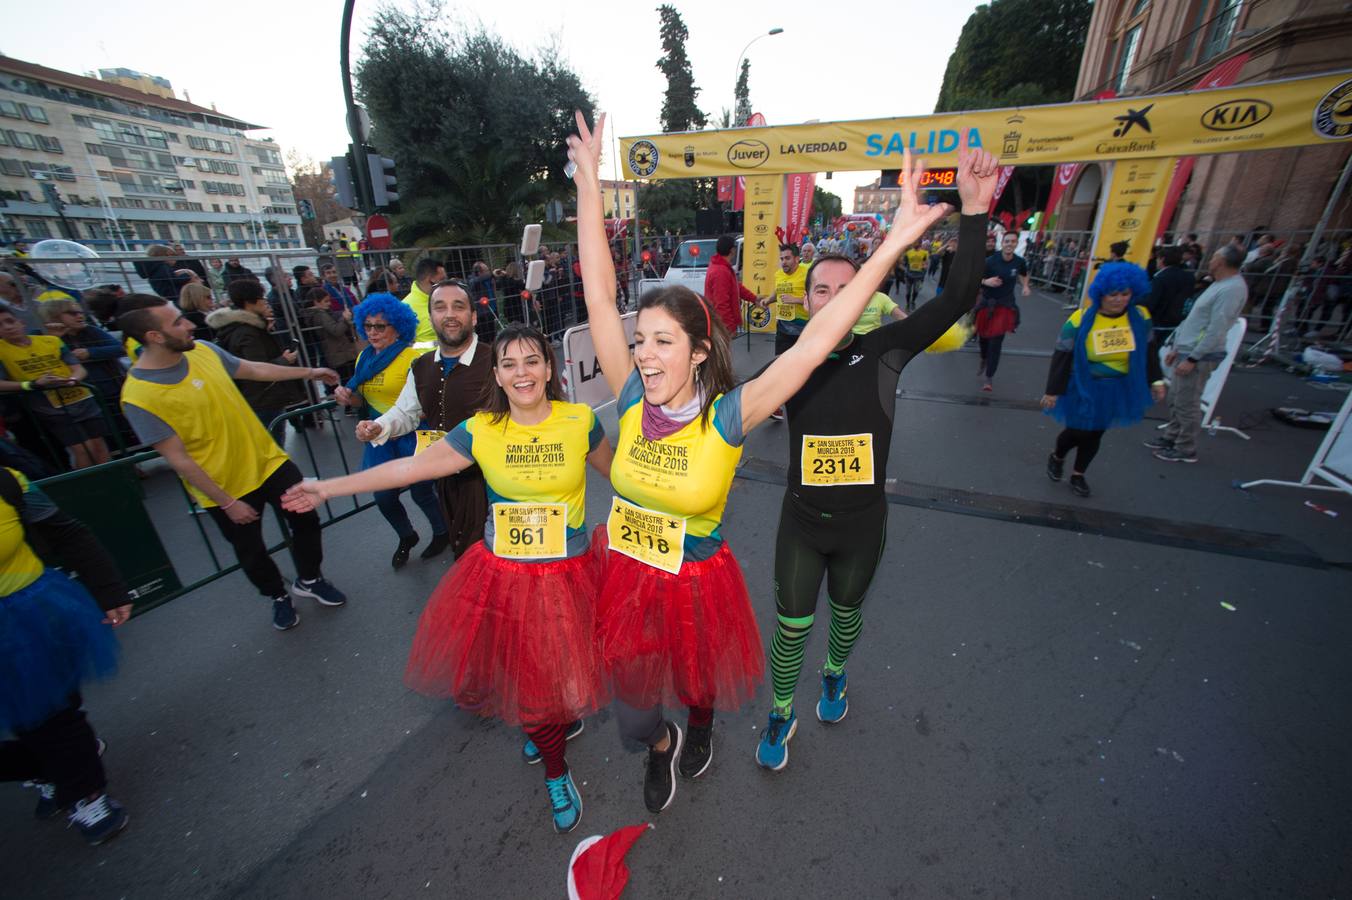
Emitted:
<point x="598" y="268"/>
<point x="786" y="375"/>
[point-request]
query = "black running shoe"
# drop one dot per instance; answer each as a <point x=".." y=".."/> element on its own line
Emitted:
<point x="698" y="752"/>
<point x="659" y="781"/>
<point x="1159" y="443"/>
<point x="401" y="552"/>
<point x="1078" y="486"/>
<point x="1055" y="467"/>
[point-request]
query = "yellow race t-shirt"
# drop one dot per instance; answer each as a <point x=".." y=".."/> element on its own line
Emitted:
<point x="381" y="390"/>
<point x="687" y="474"/>
<point x="1109" y="343"/>
<point x="19" y="565"/>
<point x="794" y="285"/>
<point x="917" y="258"/>
<point x="534" y="464"/>
<point x="871" y="319"/>
<point x="42" y="356"/>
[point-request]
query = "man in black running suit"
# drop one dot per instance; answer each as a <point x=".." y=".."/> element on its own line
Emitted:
<point x="834" y="517"/>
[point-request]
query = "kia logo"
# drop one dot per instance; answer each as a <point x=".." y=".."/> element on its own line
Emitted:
<point x="748" y="154"/>
<point x="1127" y="224"/>
<point x="1236" y="115"/>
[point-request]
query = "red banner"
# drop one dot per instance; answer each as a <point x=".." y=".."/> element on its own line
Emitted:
<point x="724" y="188"/>
<point x="1224" y="75"/>
<point x="798" y="204"/>
<point x="1066" y="172"/>
<point x="1005" y="173"/>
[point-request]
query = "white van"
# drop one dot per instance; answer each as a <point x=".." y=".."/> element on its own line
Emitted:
<point x="691" y="262"/>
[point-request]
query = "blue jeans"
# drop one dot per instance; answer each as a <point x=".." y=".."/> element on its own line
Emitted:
<point x="425" y="495"/>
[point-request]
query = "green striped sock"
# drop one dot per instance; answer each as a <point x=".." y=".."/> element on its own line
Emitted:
<point x="846" y="623"/>
<point x="786" y="657"/>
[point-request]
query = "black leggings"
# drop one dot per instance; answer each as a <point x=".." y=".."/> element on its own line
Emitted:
<point x="307" y="548"/>
<point x="1086" y="442"/>
<point x="990" y="353"/>
<point x="61" y="751"/>
<point x="845" y="548"/>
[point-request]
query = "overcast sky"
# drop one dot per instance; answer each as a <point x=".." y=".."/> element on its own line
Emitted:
<point x="276" y="63"/>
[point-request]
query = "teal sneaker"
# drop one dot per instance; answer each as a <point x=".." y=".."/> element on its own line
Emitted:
<point x="531" y="753"/>
<point x="833" y="705"/>
<point x="773" y="750"/>
<point x="565" y="801"/>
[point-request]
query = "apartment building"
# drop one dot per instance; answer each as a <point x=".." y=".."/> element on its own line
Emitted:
<point x="133" y="167"/>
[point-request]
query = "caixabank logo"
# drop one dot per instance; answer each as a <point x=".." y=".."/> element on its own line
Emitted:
<point x="1333" y="114"/>
<point x="643" y="157"/>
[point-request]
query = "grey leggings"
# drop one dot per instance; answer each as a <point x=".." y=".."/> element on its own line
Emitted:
<point x="648" y="726"/>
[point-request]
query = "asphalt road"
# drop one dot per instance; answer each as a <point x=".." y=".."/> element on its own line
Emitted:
<point x="1049" y="699"/>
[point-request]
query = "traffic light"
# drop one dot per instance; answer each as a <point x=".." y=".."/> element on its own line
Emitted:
<point x="384" y="186"/>
<point x="341" y="166"/>
<point x="307" y="210"/>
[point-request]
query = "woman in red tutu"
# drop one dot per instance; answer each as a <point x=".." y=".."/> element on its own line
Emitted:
<point x="675" y="619"/>
<point x="511" y="630"/>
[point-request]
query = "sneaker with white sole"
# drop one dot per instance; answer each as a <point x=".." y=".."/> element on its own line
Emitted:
<point x="284" y="615"/>
<point x="659" y="776"/>
<point x="320" y="590"/>
<point x="773" y="750"/>
<point x="99" y="819"/>
<point x="564" y="801"/>
<point x="833" y="705"/>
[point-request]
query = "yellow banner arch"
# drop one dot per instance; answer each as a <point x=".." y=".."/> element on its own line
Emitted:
<point x="1289" y="113"/>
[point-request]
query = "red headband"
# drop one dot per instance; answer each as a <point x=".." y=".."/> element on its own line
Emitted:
<point x="708" y="322"/>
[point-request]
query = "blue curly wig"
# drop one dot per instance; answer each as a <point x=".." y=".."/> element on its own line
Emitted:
<point x="395" y="311"/>
<point x="1119" y="276"/>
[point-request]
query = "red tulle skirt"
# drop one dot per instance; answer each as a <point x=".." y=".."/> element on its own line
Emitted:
<point x="995" y="321"/>
<point x="689" y="639"/>
<point x="512" y="640"/>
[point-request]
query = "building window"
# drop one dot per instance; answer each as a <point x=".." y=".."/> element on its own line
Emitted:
<point x="1222" y="25"/>
<point x="33" y="113"/>
<point x="96" y="231"/>
<point x="10" y="110"/>
<point x="163" y="231"/>
<point x="237" y="232"/>
<point x="143" y="230"/>
<point x="50" y="144"/>
<point x="203" y="233"/>
<point x="12" y="167"/>
<point x="218" y="232"/>
<point x="185" y="232"/>
<point x="1137" y="8"/>
<point x="159" y="204"/>
<point x="38" y="228"/>
<point x="1129" y="45"/>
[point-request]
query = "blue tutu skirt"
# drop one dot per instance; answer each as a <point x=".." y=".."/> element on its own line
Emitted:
<point x="395" y="448"/>
<point x="52" y="638"/>
<point x="1097" y="404"/>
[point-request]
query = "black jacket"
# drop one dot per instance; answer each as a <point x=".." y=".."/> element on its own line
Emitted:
<point x="246" y="335"/>
<point x="1169" y="292"/>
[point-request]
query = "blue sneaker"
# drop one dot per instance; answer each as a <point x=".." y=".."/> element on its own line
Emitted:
<point x="284" y="615"/>
<point x="531" y="753"/>
<point x="565" y="801"/>
<point x="773" y="750"/>
<point x="833" y="705"/>
<point x="319" y="589"/>
<point x="99" y="819"/>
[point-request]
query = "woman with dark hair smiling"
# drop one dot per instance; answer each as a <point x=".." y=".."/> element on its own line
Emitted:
<point x="675" y="618"/>
<point x="510" y="631"/>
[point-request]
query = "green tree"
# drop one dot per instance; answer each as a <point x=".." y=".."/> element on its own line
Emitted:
<point x="743" y="93"/>
<point x="476" y="128"/>
<point x="992" y="65"/>
<point x="825" y="204"/>
<point x="679" y="111"/>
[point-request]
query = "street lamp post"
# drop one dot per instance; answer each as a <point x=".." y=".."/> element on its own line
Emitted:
<point x="738" y="73"/>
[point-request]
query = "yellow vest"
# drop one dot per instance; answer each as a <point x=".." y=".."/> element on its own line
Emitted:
<point x="794" y="285"/>
<point x="426" y="336"/>
<point x="41" y="357"/>
<point x="19" y="565"/>
<point x="687" y="474"/>
<point x="219" y="430"/>
<point x="383" y="388"/>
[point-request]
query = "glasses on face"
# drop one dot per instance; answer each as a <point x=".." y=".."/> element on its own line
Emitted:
<point x="376" y="326"/>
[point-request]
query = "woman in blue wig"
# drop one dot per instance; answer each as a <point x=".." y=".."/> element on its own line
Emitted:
<point x="1105" y="371"/>
<point x="382" y="371"/>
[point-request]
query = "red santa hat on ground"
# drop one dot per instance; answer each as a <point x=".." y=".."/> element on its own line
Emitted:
<point x="596" y="870"/>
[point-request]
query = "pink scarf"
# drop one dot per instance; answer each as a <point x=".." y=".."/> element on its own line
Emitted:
<point x="660" y="422"/>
